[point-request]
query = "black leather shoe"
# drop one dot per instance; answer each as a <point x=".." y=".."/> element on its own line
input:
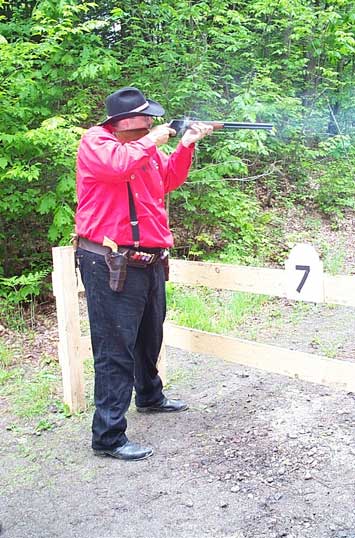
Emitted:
<point x="166" y="406"/>
<point x="129" y="452"/>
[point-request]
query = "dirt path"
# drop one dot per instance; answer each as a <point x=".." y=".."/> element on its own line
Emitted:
<point x="257" y="455"/>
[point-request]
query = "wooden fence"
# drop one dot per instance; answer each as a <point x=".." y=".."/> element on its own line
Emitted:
<point x="74" y="348"/>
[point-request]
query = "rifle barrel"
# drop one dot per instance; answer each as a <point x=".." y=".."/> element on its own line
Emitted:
<point x="183" y="124"/>
<point x="244" y="125"/>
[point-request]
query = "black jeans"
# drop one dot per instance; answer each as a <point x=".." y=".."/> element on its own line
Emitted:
<point x="126" y="335"/>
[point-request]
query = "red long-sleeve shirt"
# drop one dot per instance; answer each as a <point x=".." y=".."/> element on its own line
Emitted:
<point x="104" y="166"/>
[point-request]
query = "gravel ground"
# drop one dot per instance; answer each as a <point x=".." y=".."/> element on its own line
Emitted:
<point x="324" y="330"/>
<point x="256" y="455"/>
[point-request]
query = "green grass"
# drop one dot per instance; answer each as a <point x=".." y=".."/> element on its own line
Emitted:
<point x="210" y="310"/>
<point x="7" y="374"/>
<point x="28" y="392"/>
<point x="6" y="356"/>
<point x="35" y="395"/>
<point x="28" y="396"/>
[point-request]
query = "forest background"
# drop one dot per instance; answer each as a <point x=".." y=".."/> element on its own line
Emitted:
<point x="289" y="62"/>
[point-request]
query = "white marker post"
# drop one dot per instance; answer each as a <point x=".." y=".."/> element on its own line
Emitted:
<point x="304" y="274"/>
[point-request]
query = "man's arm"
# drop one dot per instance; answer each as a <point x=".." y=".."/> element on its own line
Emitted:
<point x="177" y="165"/>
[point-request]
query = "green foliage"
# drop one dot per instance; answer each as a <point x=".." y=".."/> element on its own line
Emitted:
<point x="54" y="70"/>
<point x="288" y="62"/>
<point x="17" y="292"/>
<point x="19" y="289"/>
<point x="218" y="218"/>
<point x="336" y="191"/>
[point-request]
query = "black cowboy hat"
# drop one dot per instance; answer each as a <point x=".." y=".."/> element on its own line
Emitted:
<point x="128" y="102"/>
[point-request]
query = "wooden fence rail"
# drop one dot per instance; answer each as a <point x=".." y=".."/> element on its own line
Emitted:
<point x="73" y="347"/>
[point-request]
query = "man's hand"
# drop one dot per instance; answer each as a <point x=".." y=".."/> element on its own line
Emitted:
<point x="195" y="132"/>
<point x="160" y="134"/>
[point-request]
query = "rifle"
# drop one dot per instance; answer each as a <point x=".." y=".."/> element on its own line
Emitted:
<point x="180" y="126"/>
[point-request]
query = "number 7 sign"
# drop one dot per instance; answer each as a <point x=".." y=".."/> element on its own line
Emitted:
<point x="304" y="274"/>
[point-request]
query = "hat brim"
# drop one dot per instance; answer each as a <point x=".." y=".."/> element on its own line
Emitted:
<point x="154" y="109"/>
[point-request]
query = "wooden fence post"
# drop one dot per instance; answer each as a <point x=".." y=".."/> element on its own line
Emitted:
<point x="66" y="294"/>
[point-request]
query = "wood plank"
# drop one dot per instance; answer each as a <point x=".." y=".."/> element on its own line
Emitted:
<point x="65" y="288"/>
<point x="339" y="289"/>
<point x="85" y="348"/>
<point x="306" y="366"/>
<point x="230" y="277"/>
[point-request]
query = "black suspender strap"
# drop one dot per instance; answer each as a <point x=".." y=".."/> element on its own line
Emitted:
<point x="133" y="217"/>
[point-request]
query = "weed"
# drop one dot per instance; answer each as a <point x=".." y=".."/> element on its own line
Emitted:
<point x="15" y="428"/>
<point x="242" y="305"/>
<point x="63" y="409"/>
<point x="8" y="375"/>
<point x="293" y="238"/>
<point x="316" y="341"/>
<point x="188" y="307"/>
<point x="84" y="326"/>
<point x="313" y="224"/>
<point x="15" y="293"/>
<point x="43" y="425"/>
<point x="176" y="377"/>
<point x="299" y="311"/>
<point x="47" y="360"/>
<point x="333" y="258"/>
<point x="23" y="449"/>
<point x="12" y="316"/>
<point x="330" y="349"/>
<point x="330" y="352"/>
<point x="6" y="356"/>
<point x="89" y="366"/>
<point x="22" y="475"/>
<point x="274" y="314"/>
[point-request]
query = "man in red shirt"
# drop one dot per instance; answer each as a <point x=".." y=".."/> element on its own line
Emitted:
<point x="122" y="178"/>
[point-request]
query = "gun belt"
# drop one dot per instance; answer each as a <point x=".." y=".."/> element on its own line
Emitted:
<point x="153" y="254"/>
